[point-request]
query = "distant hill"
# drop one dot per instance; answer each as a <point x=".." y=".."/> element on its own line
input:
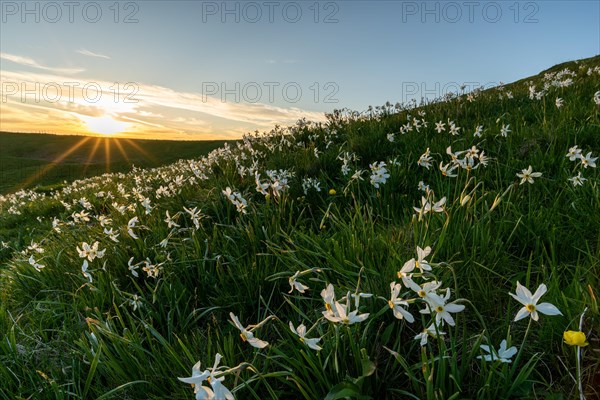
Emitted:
<point x="30" y="159"/>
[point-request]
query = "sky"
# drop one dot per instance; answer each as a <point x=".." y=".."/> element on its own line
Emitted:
<point x="198" y="70"/>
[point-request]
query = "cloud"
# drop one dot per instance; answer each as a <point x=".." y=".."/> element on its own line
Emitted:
<point x="86" y="52"/>
<point x="155" y="109"/>
<point x="29" y="62"/>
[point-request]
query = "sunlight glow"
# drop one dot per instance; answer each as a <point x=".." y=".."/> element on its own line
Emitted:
<point x="105" y="125"/>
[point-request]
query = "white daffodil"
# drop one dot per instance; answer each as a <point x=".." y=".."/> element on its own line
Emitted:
<point x="395" y="304"/>
<point x="574" y="153"/>
<point x="295" y="284"/>
<point x="448" y="170"/>
<point x="505" y="130"/>
<point x="246" y="335"/>
<point x="301" y="332"/>
<point x="357" y="297"/>
<point x="427" y="207"/>
<point x="132" y="267"/>
<point x="151" y="269"/>
<point x="35" y="247"/>
<point x="502" y="354"/>
<point x="236" y="199"/>
<point x="425" y="159"/>
<point x="90" y="252"/>
<point x="440" y="127"/>
<point x="136" y="302"/>
<point x="483" y="159"/>
<point x="454" y="129"/>
<point x="527" y="175"/>
<point x="405" y="272"/>
<point x="84" y="271"/>
<point x="379" y="173"/>
<point x="195" y="215"/>
<point x="328" y="295"/>
<point x="217" y="391"/>
<point x="104" y="220"/>
<point x="420" y="263"/>
<point x="111" y="234"/>
<point x="341" y="313"/>
<point x="260" y="186"/>
<point x="442" y="310"/>
<point x="589" y="161"/>
<point x="529" y="301"/>
<point x="432" y="330"/>
<point x="35" y="264"/>
<point x="578" y="180"/>
<point x="130" y="225"/>
<point x="171" y="220"/>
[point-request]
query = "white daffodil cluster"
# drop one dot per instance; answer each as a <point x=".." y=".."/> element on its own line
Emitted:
<point x="576" y="154"/>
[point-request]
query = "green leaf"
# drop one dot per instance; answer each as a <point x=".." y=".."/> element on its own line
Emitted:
<point x="343" y="390"/>
<point x="368" y="367"/>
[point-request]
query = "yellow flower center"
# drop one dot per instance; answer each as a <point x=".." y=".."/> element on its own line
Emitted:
<point x="328" y="306"/>
<point x="422" y="293"/>
<point x="530" y="307"/>
<point x="390" y="304"/>
<point x="244" y="338"/>
<point x="439" y="309"/>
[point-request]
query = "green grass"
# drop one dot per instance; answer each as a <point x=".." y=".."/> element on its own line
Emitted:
<point x="27" y="160"/>
<point x="159" y="303"/>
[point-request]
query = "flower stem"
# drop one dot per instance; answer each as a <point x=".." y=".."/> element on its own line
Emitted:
<point x="578" y="358"/>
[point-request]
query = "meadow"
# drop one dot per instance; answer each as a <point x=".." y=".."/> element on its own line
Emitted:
<point x="446" y="250"/>
<point x="47" y="161"/>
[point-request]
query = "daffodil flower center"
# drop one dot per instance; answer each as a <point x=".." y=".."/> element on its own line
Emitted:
<point x="391" y="304"/>
<point x="439" y="309"/>
<point x="422" y="293"/>
<point x="244" y="337"/>
<point x="530" y="307"/>
<point x="328" y="306"/>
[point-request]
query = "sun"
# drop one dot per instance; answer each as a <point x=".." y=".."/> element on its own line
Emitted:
<point x="105" y="125"/>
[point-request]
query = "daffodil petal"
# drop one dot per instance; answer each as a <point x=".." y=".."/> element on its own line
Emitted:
<point x="548" y="309"/>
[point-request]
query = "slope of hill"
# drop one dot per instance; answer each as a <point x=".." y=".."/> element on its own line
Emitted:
<point x="31" y="159"/>
<point x="370" y="257"/>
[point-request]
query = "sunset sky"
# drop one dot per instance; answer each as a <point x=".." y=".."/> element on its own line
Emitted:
<point x="215" y="70"/>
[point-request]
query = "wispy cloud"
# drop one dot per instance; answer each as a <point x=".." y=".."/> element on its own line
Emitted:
<point x="156" y="110"/>
<point x="30" y="62"/>
<point x="89" y="53"/>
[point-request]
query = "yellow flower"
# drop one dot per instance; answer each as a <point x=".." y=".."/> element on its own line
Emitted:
<point x="575" y="338"/>
<point x="332" y="192"/>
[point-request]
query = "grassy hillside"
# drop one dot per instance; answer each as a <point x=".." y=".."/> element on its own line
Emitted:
<point x="370" y="257"/>
<point x="29" y="159"/>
